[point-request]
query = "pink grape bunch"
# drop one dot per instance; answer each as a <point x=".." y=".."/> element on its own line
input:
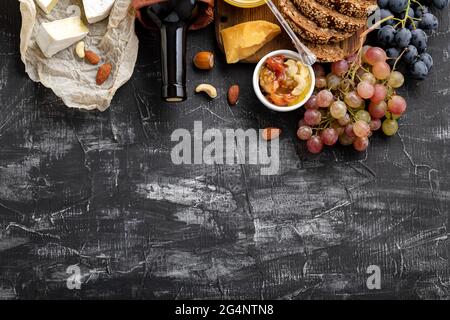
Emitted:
<point x="356" y="99"/>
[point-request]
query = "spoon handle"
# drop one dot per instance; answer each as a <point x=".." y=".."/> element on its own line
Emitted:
<point x="307" y="57"/>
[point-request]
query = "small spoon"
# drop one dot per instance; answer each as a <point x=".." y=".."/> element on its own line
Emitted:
<point x="308" y="58"/>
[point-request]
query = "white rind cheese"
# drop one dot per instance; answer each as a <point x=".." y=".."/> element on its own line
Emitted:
<point x="58" y="35"/>
<point x="97" y="10"/>
<point x="47" y="5"/>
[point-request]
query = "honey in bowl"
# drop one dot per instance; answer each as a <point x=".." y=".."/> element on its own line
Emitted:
<point x="284" y="81"/>
<point x="246" y="3"/>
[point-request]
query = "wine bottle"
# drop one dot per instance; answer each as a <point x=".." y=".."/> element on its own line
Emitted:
<point x="173" y="18"/>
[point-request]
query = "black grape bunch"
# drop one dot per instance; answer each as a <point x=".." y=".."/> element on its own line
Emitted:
<point x="406" y="34"/>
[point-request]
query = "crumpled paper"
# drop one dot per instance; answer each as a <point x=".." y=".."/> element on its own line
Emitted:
<point x="71" y="78"/>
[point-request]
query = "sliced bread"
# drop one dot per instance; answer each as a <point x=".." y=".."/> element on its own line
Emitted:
<point x="327" y="18"/>
<point x="353" y="8"/>
<point x="308" y="29"/>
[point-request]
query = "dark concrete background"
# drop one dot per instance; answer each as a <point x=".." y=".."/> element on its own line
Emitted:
<point x="98" y="190"/>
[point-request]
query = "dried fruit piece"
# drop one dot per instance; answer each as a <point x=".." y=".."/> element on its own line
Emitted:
<point x="79" y="49"/>
<point x="91" y="57"/>
<point x="208" y="89"/>
<point x="204" y="60"/>
<point x="103" y="73"/>
<point x="270" y="133"/>
<point x="233" y="94"/>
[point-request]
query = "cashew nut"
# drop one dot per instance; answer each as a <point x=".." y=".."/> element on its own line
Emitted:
<point x="79" y="49"/>
<point x="208" y="89"/>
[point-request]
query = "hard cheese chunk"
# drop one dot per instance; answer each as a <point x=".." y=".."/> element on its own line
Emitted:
<point x="47" y="5"/>
<point x="243" y="40"/>
<point x="59" y="35"/>
<point x="97" y="10"/>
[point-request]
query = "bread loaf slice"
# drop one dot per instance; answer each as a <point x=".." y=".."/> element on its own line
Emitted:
<point x="353" y="8"/>
<point x="308" y="29"/>
<point x="327" y="18"/>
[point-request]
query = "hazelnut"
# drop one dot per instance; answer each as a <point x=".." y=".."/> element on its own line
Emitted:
<point x="204" y="60"/>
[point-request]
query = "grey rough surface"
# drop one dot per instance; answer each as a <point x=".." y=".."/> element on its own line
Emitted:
<point x="79" y="188"/>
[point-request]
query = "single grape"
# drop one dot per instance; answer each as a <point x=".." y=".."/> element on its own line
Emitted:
<point x="386" y="36"/>
<point x="375" y="124"/>
<point x="369" y="77"/>
<point x="338" y="109"/>
<point x="318" y="69"/>
<point x="440" y="4"/>
<point x="384" y="13"/>
<point x="361" y="144"/>
<point x="353" y="100"/>
<point x="304" y="133"/>
<point x="380" y="93"/>
<point x="312" y="117"/>
<point x="324" y="99"/>
<point x="381" y="70"/>
<point x="349" y="131"/>
<point x="398" y="6"/>
<point x="410" y="54"/>
<point x="374" y="55"/>
<point x="427" y="59"/>
<point x="345" y="140"/>
<point x="314" y="145"/>
<point x="333" y="81"/>
<point x="345" y="120"/>
<point x="390" y="127"/>
<point x="419" y="40"/>
<point x="311" y="103"/>
<point x="361" y="128"/>
<point x="419" y="70"/>
<point x="365" y="90"/>
<point x="329" y="136"/>
<point x="363" y="115"/>
<point x="397" y="105"/>
<point x="429" y="22"/>
<point x="421" y="10"/>
<point x="393" y="54"/>
<point x="403" y="37"/>
<point x="396" y="79"/>
<point x="378" y="110"/>
<point x="340" y="67"/>
<point x="321" y="82"/>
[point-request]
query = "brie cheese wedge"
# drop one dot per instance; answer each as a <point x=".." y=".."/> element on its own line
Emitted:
<point x="97" y="10"/>
<point x="58" y="35"/>
<point x="47" y="5"/>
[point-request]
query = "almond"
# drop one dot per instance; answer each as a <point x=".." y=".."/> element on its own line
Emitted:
<point x="233" y="95"/>
<point x="91" y="57"/>
<point x="103" y="73"/>
<point x="270" y="133"/>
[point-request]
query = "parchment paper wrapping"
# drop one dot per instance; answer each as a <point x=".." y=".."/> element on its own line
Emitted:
<point x="70" y="78"/>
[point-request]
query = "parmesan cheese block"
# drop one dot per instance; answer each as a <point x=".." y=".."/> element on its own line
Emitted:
<point x="243" y="40"/>
<point x="58" y="35"/>
<point x="97" y="10"/>
<point x="47" y="5"/>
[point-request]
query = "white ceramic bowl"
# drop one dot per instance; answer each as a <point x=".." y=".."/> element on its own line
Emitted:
<point x="257" y="88"/>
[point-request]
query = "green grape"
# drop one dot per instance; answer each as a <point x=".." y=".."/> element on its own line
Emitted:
<point x="396" y="79"/>
<point x="390" y="127"/>
<point x="363" y="115"/>
<point x="338" y="109"/>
